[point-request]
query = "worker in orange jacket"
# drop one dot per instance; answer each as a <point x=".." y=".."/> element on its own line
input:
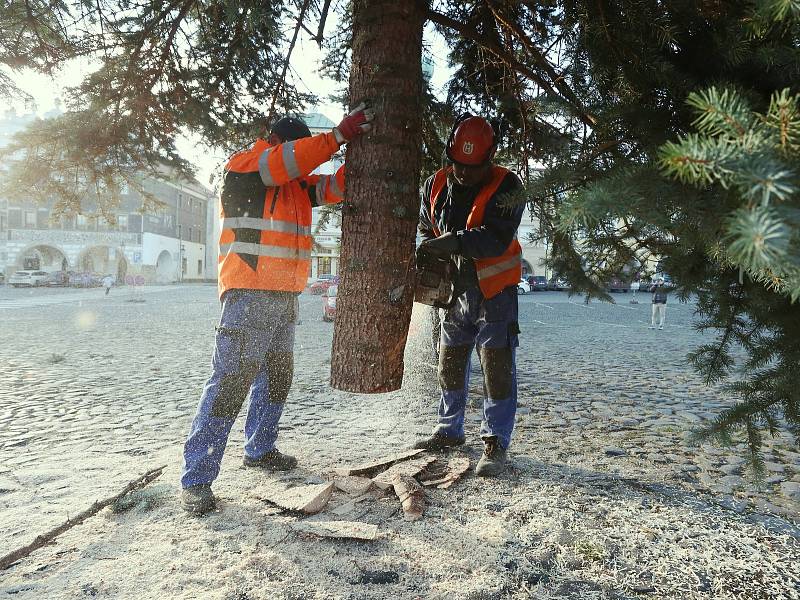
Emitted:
<point x="264" y="262"/>
<point x="464" y="217"/>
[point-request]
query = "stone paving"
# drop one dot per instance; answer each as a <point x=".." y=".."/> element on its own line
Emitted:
<point x="95" y="388"/>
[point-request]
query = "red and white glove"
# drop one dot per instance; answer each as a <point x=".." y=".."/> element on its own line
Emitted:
<point x="354" y="124"/>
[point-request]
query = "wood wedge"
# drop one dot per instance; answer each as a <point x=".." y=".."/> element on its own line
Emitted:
<point x="456" y="467"/>
<point x="308" y="499"/>
<point x="411" y="496"/>
<point x="408" y="467"/>
<point x="375" y="465"/>
<point x="338" y="529"/>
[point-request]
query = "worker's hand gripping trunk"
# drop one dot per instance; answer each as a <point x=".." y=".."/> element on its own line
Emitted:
<point x="434" y="280"/>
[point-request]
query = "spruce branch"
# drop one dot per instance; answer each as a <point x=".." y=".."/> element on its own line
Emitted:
<point x="779" y="10"/>
<point x="757" y="238"/>
<point x="721" y="113"/>
<point x="783" y="117"/>
<point x="698" y="160"/>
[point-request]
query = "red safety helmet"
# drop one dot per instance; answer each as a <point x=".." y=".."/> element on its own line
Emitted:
<point x="472" y="142"/>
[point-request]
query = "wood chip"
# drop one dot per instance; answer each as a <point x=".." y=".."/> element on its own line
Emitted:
<point x="409" y="468"/>
<point x="370" y="467"/>
<point x="411" y="495"/>
<point x="338" y="529"/>
<point x="456" y="467"/>
<point x="308" y="499"/>
<point x="435" y="470"/>
<point x="353" y="486"/>
<point x="348" y="507"/>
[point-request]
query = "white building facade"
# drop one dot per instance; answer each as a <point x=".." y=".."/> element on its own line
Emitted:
<point x="169" y="245"/>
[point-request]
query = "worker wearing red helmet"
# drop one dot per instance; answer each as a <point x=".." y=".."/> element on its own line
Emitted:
<point x="464" y="215"/>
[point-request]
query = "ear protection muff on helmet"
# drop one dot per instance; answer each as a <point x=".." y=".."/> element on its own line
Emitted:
<point x="472" y="141"/>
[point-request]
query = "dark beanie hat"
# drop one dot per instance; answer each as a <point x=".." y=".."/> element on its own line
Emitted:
<point x="290" y="129"/>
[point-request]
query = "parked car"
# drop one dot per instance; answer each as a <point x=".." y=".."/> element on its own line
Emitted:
<point x="329" y="303"/>
<point x="85" y="279"/>
<point x="557" y="284"/>
<point x="78" y="279"/>
<point x="323" y="283"/>
<point x="523" y="287"/>
<point x="58" y="279"/>
<point x="617" y="284"/>
<point x="28" y="278"/>
<point x="2" y="278"/>
<point x="538" y="283"/>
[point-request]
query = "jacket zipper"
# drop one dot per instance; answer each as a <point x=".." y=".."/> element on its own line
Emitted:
<point x="274" y="200"/>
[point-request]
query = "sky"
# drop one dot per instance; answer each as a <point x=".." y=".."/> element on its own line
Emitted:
<point x="305" y="62"/>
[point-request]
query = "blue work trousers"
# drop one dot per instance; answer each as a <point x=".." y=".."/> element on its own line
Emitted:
<point x="489" y="324"/>
<point x="252" y="354"/>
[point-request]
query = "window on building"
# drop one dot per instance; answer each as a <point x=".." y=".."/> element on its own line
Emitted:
<point x="81" y="221"/>
<point x="30" y="218"/>
<point x="199" y="267"/>
<point x="184" y="264"/>
<point x="122" y="222"/>
<point x="324" y="265"/>
<point x="14" y="218"/>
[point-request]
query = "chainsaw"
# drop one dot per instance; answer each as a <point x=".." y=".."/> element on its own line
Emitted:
<point x="435" y="280"/>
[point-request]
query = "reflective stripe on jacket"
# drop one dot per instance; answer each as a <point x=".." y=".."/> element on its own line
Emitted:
<point x="495" y="273"/>
<point x="265" y="207"/>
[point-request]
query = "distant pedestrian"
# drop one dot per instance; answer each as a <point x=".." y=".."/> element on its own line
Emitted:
<point x="635" y="285"/>
<point x="108" y="281"/>
<point x="659" y="291"/>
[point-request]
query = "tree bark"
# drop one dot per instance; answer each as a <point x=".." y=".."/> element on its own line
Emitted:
<point x="381" y="206"/>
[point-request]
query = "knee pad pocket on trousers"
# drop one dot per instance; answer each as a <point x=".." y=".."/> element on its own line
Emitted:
<point x="280" y="368"/>
<point x="453" y="366"/>
<point x="233" y="390"/>
<point x="497" y="364"/>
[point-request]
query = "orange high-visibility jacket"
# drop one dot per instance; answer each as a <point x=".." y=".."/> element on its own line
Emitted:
<point x="497" y="272"/>
<point x="265" y="206"/>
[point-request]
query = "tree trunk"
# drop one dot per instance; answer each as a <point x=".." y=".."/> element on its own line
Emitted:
<point x="379" y="215"/>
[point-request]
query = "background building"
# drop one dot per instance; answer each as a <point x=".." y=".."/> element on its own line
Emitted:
<point x="326" y="224"/>
<point x="168" y="245"/>
<point x="533" y="253"/>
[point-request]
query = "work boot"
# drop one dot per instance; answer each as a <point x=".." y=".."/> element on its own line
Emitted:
<point x="493" y="461"/>
<point x="198" y="499"/>
<point x="439" y="442"/>
<point x="273" y="460"/>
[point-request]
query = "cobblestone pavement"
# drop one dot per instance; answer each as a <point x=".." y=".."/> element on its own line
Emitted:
<point x="94" y="390"/>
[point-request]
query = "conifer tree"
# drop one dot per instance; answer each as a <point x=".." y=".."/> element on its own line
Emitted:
<point x="667" y="131"/>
